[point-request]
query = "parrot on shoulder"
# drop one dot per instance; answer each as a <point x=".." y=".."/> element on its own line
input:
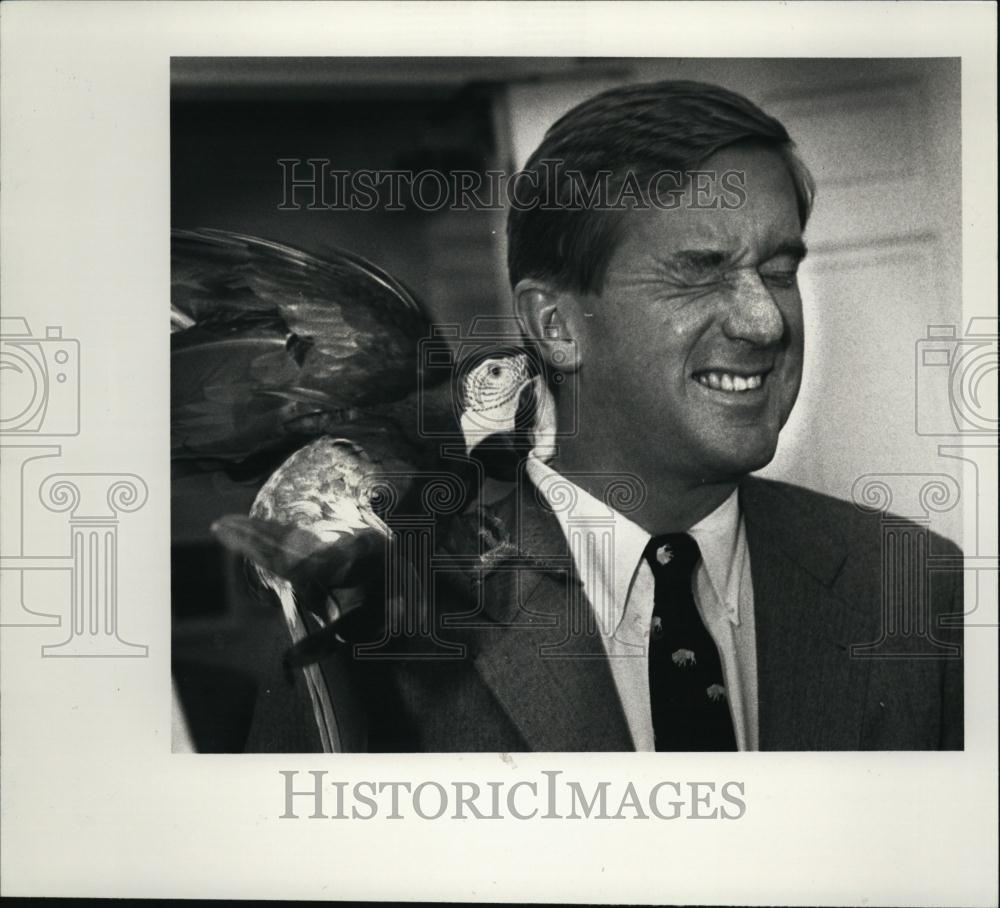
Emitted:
<point x="306" y="373"/>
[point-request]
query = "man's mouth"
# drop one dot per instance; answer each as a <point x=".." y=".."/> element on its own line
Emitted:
<point x="732" y="382"/>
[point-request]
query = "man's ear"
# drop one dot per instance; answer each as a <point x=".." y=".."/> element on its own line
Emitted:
<point x="553" y="318"/>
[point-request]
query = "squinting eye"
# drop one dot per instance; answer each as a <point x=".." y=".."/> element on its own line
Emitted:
<point x="781" y="279"/>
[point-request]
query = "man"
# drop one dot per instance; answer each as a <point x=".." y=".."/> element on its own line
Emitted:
<point x="715" y="611"/>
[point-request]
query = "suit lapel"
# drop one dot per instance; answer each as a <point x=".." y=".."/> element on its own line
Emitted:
<point x="811" y="693"/>
<point x="539" y="652"/>
<point x="557" y="688"/>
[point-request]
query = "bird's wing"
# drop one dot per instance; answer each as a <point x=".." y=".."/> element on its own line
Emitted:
<point x="264" y="333"/>
<point x="272" y="347"/>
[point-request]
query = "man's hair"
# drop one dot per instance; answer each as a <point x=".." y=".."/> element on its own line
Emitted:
<point x="640" y="130"/>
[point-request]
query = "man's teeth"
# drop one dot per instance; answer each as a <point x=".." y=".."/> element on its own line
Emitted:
<point x="726" y="381"/>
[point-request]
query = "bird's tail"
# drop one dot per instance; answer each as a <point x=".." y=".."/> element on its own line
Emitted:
<point x="319" y="695"/>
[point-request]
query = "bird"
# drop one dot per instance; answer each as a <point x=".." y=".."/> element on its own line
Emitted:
<point x="263" y="333"/>
<point x="271" y="346"/>
<point x="306" y="373"/>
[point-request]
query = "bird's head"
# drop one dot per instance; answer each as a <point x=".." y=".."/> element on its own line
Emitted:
<point x="491" y="392"/>
<point x="508" y="410"/>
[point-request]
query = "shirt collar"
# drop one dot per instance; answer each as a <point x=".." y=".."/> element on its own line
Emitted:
<point x="582" y="511"/>
<point x="720" y="538"/>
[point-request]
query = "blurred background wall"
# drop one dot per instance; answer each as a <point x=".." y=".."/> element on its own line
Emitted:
<point x="882" y="138"/>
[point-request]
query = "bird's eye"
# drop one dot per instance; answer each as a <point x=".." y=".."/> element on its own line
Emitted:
<point x="496" y="371"/>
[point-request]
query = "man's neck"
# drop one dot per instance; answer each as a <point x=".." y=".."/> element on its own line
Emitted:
<point x="670" y="504"/>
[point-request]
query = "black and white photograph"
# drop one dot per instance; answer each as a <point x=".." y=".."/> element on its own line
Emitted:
<point x="450" y="452"/>
<point x="477" y="362"/>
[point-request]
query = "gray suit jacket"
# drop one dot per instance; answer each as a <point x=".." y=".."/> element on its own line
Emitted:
<point x="513" y="666"/>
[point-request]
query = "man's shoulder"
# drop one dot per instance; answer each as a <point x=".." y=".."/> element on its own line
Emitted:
<point x="799" y="496"/>
<point x="810" y="513"/>
<point x="771" y="496"/>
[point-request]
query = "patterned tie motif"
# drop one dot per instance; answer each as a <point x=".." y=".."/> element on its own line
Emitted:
<point x="686" y="688"/>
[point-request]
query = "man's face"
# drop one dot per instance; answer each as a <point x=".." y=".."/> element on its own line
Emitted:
<point x="696" y="338"/>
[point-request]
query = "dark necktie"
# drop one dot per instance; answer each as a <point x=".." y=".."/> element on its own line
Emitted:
<point x="686" y="687"/>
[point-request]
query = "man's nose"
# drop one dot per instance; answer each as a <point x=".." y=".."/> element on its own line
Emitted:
<point x="753" y="315"/>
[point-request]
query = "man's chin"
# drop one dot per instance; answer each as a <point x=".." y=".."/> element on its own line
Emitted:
<point x="736" y="462"/>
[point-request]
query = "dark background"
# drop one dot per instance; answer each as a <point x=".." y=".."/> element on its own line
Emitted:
<point x="231" y="121"/>
<point x="881" y="137"/>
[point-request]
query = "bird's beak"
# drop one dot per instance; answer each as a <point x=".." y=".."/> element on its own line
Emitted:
<point x="479" y="425"/>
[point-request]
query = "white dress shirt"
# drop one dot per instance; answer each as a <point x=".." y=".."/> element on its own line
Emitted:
<point x="607" y="551"/>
